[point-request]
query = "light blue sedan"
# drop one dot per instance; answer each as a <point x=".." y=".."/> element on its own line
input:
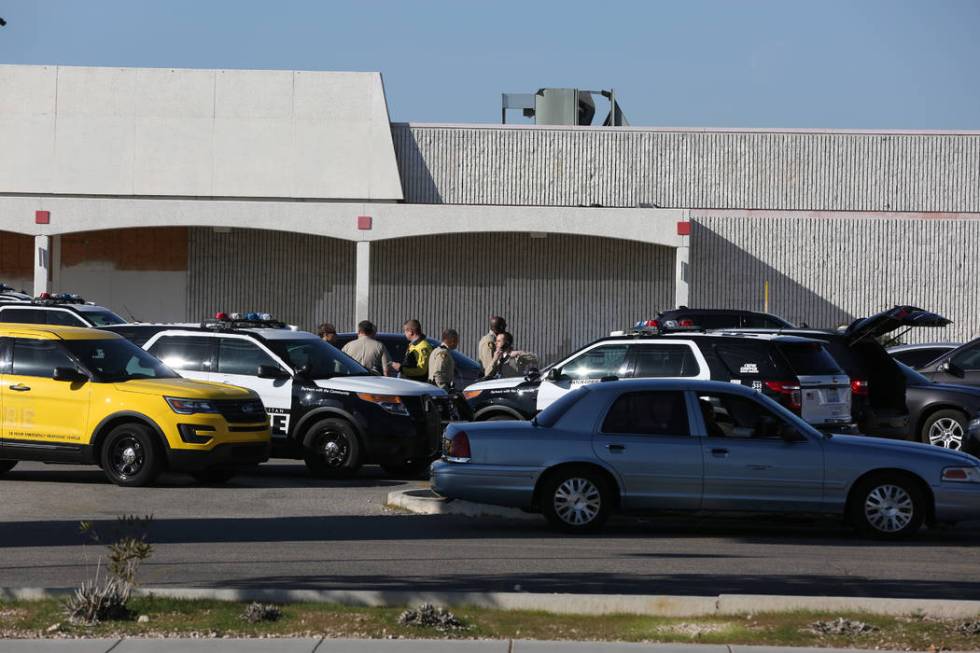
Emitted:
<point x="648" y="446"/>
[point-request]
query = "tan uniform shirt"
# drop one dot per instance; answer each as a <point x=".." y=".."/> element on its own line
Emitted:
<point x="442" y="367"/>
<point x="485" y="351"/>
<point x="368" y="352"/>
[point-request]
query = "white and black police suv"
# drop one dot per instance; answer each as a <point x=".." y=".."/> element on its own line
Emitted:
<point x="796" y="372"/>
<point x="325" y="408"/>
<point x="61" y="309"/>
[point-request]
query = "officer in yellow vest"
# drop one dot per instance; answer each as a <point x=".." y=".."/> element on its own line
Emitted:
<point x="416" y="363"/>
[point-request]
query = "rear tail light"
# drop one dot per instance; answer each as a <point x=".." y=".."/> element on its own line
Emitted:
<point x="685" y="323"/>
<point x="859" y="387"/>
<point x="789" y="394"/>
<point x="458" y="448"/>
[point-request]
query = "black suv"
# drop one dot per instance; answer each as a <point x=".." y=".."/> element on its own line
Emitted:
<point x="878" y="384"/>
<point x="797" y="372"/>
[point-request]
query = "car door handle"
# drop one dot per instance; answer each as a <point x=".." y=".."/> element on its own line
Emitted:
<point x="719" y="453"/>
<point x="615" y="448"/>
<point x="20" y="387"/>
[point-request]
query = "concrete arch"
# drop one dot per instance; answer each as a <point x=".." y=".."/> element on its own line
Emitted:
<point x="334" y="219"/>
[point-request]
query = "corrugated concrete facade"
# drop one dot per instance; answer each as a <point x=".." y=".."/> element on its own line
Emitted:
<point x="827" y="271"/>
<point x="301" y="279"/>
<point x="557" y="293"/>
<point x="689" y="168"/>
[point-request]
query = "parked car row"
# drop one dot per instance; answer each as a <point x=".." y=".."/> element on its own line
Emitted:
<point x="671" y="415"/>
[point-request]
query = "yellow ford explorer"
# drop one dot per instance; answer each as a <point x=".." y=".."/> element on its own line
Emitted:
<point x="75" y="395"/>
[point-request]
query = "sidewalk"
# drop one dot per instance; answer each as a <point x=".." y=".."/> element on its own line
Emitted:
<point x="371" y="645"/>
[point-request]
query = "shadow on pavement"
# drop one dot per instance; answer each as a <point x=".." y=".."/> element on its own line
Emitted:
<point x="389" y="527"/>
<point x="274" y="475"/>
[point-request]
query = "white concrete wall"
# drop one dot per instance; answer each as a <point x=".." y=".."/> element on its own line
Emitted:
<point x="213" y="133"/>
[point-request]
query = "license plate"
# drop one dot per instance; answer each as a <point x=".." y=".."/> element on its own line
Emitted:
<point x="831" y="396"/>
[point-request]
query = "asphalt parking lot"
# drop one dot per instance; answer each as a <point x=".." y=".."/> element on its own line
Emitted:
<point x="276" y="527"/>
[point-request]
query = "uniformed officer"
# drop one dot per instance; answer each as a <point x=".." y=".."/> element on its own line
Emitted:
<point x="442" y="367"/>
<point x="416" y="363"/>
<point x="487" y="347"/>
<point x="366" y="350"/>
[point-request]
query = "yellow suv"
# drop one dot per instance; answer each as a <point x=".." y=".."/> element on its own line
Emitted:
<point x="76" y="395"/>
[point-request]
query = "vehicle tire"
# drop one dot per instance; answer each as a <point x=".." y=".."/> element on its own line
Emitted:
<point x="576" y="500"/>
<point x="130" y="455"/>
<point x="498" y="417"/>
<point x="887" y="506"/>
<point x="7" y="465"/>
<point x="411" y="469"/>
<point x="214" y="476"/>
<point x="945" y="428"/>
<point x="334" y="450"/>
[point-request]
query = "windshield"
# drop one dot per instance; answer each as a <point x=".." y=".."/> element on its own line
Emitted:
<point x="322" y="360"/>
<point x="115" y="360"/>
<point x="102" y="318"/>
<point x="912" y="377"/>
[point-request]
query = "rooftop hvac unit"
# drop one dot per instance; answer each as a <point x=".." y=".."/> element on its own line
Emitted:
<point x="562" y="106"/>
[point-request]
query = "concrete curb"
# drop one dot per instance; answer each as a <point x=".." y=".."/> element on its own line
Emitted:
<point x="425" y="502"/>
<point x="586" y="604"/>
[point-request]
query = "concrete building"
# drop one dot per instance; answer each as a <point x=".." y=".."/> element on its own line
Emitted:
<point x="170" y="194"/>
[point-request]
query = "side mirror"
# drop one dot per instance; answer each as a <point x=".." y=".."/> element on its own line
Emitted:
<point x="270" y="372"/>
<point x="303" y="370"/>
<point x="68" y="374"/>
<point x="954" y="369"/>
<point x="533" y="374"/>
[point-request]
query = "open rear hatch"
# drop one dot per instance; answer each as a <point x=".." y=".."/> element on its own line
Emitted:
<point x="899" y="317"/>
<point x="885" y="411"/>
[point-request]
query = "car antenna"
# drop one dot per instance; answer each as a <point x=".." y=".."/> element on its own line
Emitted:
<point x="132" y="317"/>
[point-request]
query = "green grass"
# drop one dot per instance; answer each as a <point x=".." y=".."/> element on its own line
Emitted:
<point x="173" y="618"/>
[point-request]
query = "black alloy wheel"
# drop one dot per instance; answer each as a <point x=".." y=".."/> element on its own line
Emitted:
<point x="129" y="456"/>
<point x="334" y="449"/>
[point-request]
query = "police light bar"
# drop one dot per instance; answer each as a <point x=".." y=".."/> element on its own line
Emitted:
<point x="59" y="298"/>
<point x="252" y="319"/>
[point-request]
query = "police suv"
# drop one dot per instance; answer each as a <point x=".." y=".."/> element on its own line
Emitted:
<point x="797" y="372"/>
<point x="59" y="309"/>
<point x="9" y="295"/>
<point x="325" y="408"/>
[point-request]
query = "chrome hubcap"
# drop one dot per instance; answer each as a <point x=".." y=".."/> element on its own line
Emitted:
<point x="127" y="457"/>
<point x="577" y="501"/>
<point x="889" y="508"/>
<point x="334" y="449"/>
<point x="946" y="432"/>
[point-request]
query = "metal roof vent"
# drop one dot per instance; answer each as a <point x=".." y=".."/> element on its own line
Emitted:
<point x="562" y="106"/>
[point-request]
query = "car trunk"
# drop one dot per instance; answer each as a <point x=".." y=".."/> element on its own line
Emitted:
<point x="825" y="390"/>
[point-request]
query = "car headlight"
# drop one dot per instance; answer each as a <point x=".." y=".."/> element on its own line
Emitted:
<point x="962" y="474"/>
<point x="190" y="406"/>
<point x="391" y="403"/>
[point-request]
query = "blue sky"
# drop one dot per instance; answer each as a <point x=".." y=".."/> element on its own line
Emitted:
<point x="898" y="64"/>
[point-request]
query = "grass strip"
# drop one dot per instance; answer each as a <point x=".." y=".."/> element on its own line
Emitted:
<point x="165" y="617"/>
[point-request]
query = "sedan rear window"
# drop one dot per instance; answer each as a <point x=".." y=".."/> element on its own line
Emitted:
<point x="809" y="359"/>
<point x="550" y="415"/>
